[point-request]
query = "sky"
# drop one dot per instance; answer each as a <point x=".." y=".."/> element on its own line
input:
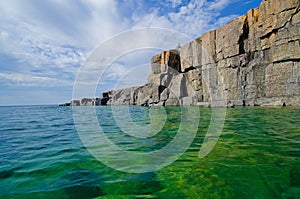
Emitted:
<point x="45" y="43"/>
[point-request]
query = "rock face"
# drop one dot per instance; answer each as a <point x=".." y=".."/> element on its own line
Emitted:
<point x="253" y="60"/>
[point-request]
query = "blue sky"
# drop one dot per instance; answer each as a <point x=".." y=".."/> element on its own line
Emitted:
<point x="44" y="43"/>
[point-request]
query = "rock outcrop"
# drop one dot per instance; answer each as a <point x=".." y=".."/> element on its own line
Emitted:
<point x="253" y="60"/>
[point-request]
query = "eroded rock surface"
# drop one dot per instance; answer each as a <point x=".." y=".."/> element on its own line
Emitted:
<point x="252" y="60"/>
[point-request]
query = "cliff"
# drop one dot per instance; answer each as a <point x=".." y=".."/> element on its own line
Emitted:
<point x="253" y="60"/>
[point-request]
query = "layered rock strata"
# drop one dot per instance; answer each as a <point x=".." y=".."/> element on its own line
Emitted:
<point x="253" y="60"/>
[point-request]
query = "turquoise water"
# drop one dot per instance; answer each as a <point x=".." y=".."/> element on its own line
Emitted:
<point x="256" y="156"/>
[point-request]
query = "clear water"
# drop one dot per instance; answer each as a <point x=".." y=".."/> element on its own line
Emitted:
<point x="257" y="156"/>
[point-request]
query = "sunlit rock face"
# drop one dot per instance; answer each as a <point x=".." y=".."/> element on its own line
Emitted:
<point x="252" y="60"/>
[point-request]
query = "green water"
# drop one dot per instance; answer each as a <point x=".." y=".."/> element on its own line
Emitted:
<point x="256" y="156"/>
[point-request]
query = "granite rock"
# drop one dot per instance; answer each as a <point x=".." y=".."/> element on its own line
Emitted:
<point x="253" y="60"/>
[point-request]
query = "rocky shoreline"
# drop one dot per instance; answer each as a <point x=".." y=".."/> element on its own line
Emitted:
<point x="254" y="60"/>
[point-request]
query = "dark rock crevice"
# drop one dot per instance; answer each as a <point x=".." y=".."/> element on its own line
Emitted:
<point x="287" y="60"/>
<point x="243" y="37"/>
<point x="189" y="69"/>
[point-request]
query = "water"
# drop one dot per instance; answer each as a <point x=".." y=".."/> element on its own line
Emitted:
<point x="257" y="156"/>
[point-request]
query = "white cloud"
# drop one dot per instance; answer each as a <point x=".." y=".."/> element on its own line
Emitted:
<point x="175" y="3"/>
<point x="29" y="80"/>
<point x="54" y="36"/>
<point x="152" y="19"/>
<point x="62" y="32"/>
<point x="193" y="19"/>
<point x="80" y="24"/>
<point x="35" y="44"/>
<point x="4" y="35"/>
<point x="218" y="4"/>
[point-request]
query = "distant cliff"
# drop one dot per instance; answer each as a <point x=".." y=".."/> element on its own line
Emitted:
<point x="253" y="60"/>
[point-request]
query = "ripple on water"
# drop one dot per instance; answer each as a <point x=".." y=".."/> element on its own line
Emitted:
<point x="41" y="155"/>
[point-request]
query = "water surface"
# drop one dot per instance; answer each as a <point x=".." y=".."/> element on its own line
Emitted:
<point x="257" y="156"/>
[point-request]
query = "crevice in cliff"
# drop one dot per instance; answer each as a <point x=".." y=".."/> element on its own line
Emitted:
<point x="268" y="35"/>
<point x="275" y="30"/>
<point x="243" y="37"/>
<point x="288" y="9"/>
<point x="161" y="88"/>
<point x="189" y="69"/>
<point x="174" y="61"/>
<point x="215" y="46"/>
<point x="287" y="60"/>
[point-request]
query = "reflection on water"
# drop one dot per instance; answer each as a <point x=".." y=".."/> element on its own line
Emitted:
<point x="257" y="156"/>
